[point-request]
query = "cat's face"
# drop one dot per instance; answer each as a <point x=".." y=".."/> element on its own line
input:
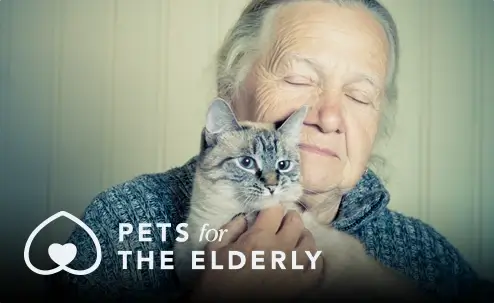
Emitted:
<point x="258" y="162"/>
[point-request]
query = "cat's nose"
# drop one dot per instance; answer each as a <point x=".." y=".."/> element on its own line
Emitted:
<point x="271" y="189"/>
<point x="270" y="179"/>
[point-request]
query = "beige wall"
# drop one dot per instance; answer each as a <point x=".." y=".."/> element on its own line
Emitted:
<point x="95" y="92"/>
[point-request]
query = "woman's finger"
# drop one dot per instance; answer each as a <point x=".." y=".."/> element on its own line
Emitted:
<point x="291" y="229"/>
<point x="269" y="219"/>
<point x="306" y="241"/>
<point x="305" y="244"/>
<point x="232" y="230"/>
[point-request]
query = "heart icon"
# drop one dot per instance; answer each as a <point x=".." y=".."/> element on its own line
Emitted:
<point x="62" y="254"/>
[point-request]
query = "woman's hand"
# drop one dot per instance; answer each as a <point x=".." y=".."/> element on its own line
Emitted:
<point x="271" y="231"/>
<point x="350" y="273"/>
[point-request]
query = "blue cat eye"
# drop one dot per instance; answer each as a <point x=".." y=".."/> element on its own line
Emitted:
<point x="247" y="162"/>
<point x="284" y="165"/>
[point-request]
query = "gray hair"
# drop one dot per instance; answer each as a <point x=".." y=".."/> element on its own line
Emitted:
<point x="245" y="40"/>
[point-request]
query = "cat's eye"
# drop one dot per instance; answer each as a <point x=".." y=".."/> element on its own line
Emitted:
<point x="246" y="163"/>
<point x="284" y="165"/>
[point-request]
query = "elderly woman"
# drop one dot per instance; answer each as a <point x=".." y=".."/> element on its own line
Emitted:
<point x="340" y="57"/>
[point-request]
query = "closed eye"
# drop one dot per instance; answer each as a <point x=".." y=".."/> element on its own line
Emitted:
<point x="357" y="100"/>
<point x="298" y="80"/>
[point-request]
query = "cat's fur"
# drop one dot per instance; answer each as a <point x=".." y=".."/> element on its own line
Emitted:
<point x="223" y="189"/>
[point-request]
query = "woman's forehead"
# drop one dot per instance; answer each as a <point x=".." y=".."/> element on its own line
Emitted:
<point x="322" y="35"/>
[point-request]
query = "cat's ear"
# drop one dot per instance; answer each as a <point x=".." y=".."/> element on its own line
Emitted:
<point x="292" y="126"/>
<point x="220" y="117"/>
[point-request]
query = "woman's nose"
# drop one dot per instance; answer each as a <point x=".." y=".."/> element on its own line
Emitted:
<point x="327" y="114"/>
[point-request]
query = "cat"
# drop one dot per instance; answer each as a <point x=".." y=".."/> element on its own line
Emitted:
<point x="244" y="167"/>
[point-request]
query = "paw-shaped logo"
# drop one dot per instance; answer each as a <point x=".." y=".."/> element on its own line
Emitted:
<point x="62" y="254"/>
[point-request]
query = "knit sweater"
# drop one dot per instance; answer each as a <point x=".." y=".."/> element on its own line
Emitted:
<point x="400" y="242"/>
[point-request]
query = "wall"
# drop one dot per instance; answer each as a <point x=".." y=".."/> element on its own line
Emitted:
<point x="96" y="92"/>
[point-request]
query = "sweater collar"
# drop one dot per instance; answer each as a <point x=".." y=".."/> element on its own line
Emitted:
<point x="365" y="202"/>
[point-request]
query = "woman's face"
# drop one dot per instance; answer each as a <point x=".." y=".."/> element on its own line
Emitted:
<point x="335" y="60"/>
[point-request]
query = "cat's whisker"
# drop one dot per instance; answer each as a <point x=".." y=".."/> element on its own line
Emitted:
<point x="254" y="194"/>
<point x="247" y="200"/>
<point x="242" y="198"/>
<point x="251" y="212"/>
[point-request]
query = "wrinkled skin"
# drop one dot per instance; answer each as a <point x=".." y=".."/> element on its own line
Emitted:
<point x="335" y="60"/>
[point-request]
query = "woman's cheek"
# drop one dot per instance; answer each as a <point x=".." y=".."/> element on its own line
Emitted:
<point x="280" y="101"/>
<point x="360" y="138"/>
<point x="268" y="102"/>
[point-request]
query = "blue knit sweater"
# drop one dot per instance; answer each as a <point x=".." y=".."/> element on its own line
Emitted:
<point x="398" y="241"/>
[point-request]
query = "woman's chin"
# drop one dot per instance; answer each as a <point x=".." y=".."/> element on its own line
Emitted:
<point x="320" y="178"/>
<point x="323" y="184"/>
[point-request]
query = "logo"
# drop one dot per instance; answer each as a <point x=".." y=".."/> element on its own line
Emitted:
<point x="62" y="254"/>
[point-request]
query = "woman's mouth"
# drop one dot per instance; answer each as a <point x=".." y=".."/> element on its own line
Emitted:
<point x="318" y="150"/>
